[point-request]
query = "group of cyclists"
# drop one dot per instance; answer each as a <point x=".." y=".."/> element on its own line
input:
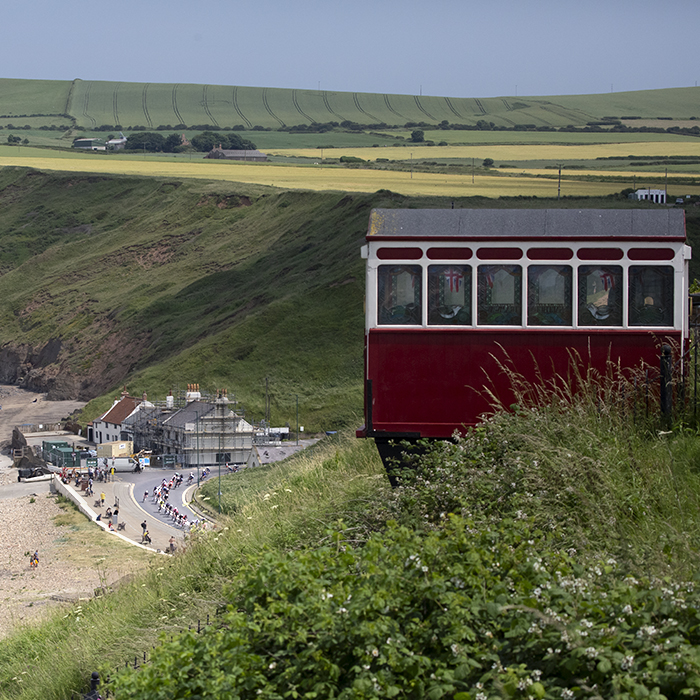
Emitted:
<point x="161" y="494"/>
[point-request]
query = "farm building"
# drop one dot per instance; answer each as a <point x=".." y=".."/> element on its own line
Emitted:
<point x="90" y="144"/>
<point x="117" y="144"/>
<point x="649" y="195"/>
<point x="227" y="154"/>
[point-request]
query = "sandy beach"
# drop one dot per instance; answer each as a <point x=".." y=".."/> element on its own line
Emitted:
<point x="74" y="558"/>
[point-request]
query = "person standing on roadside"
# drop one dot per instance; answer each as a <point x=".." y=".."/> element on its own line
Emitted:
<point x="102" y="497"/>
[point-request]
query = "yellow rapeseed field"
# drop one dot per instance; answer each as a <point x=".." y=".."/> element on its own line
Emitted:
<point x="525" y="182"/>
<point x="506" y="152"/>
<point x="322" y="178"/>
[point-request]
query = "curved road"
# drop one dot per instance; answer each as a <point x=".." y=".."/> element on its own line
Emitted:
<point x="126" y="491"/>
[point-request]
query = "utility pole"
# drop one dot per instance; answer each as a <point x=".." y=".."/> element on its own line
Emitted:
<point x="559" y="185"/>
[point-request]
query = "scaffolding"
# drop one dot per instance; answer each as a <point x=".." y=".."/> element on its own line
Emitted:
<point x="201" y="430"/>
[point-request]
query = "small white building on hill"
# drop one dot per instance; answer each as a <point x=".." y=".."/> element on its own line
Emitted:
<point x="649" y="195"/>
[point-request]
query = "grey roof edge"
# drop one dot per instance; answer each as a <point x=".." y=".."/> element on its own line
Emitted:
<point x="527" y="223"/>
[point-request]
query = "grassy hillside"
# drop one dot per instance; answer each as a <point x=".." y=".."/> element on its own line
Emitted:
<point x="219" y="287"/>
<point x="91" y="104"/>
<point x="159" y="283"/>
<point x="546" y="553"/>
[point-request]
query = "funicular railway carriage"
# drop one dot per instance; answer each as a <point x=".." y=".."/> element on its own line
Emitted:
<point x="452" y="292"/>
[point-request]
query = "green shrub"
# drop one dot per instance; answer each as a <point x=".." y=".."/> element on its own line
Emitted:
<point x="461" y="612"/>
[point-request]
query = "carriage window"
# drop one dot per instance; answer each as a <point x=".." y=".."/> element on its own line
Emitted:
<point x="399" y="295"/>
<point x="651" y="295"/>
<point x="499" y="289"/>
<point x="600" y="295"/>
<point x="549" y="295"/>
<point x="450" y="295"/>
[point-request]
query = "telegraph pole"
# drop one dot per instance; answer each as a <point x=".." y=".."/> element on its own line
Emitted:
<point x="559" y="185"/>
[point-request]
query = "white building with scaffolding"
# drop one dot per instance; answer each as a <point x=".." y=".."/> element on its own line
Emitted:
<point x="197" y="432"/>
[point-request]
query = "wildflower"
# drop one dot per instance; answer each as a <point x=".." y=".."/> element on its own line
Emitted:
<point x="626" y="663"/>
<point x="375" y="652"/>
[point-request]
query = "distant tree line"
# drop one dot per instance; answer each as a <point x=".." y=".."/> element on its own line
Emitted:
<point x="157" y="143"/>
<point x="607" y="124"/>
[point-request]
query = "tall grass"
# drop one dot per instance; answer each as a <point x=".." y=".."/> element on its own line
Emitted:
<point x="579" y="471"/>
<point x="582" y="458"/>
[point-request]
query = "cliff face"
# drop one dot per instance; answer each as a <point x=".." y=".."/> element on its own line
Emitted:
<point x="50" y="369"/>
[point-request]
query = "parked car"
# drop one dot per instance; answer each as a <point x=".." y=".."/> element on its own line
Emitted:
<point x="31" y="472"/>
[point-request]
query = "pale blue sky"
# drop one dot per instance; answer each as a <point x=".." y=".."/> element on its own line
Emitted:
<point x="443" y="47"/>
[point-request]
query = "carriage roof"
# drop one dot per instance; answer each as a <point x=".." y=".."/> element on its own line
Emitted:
<point x="506" y="224"/>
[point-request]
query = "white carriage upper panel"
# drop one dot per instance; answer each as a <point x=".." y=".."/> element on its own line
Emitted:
<point x="566" y="268"/>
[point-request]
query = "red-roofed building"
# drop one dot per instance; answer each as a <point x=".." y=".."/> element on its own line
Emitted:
<point x="108" y="427"/>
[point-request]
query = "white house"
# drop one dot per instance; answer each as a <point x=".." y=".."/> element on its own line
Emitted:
<point x="656" y="196"/>
<point x="117" y="144"/>
<point x="108" y="427"/>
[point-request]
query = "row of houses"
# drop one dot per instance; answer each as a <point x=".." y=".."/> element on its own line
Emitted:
<point x="195" y="430"/>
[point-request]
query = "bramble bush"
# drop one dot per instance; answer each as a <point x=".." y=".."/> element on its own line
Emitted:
<point x="457" y="612"/>
<point x="506" y="564"/>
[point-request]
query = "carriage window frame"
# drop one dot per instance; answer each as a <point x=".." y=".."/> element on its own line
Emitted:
<point x="389" y="311"/>
<point x="490" y="313"/>
<point x="591" y="314"/>
<point x="541" y="312"/>
<point x="650" y="303"/>
<point x="449" y="314"/>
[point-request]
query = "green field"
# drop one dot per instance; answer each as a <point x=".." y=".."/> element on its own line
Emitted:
<point x="90" y="104"/>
